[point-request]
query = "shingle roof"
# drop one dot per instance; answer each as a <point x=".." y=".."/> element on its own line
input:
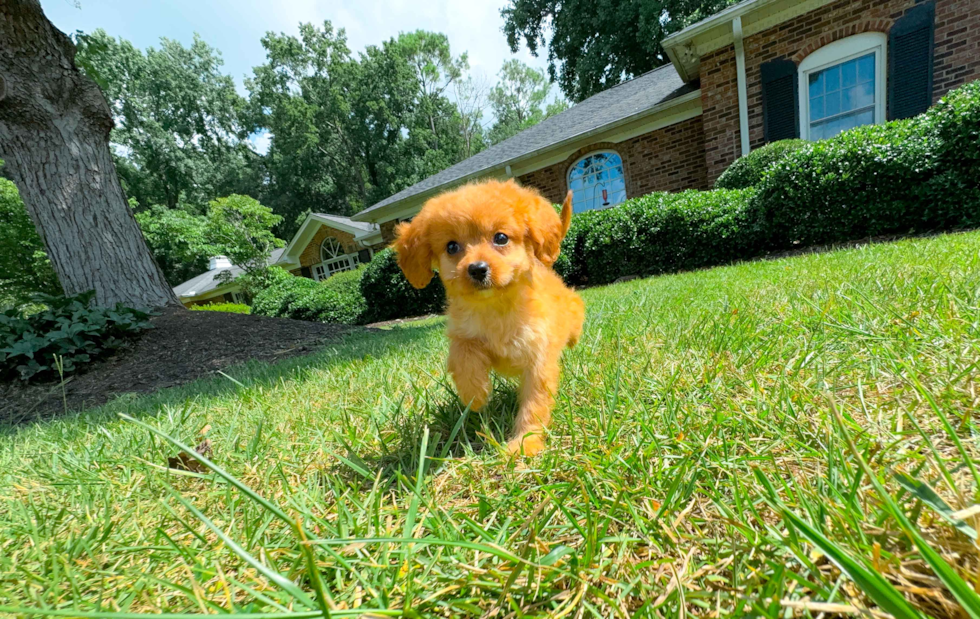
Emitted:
<point x="205" y="282"/>
<point x="609" y="107"/>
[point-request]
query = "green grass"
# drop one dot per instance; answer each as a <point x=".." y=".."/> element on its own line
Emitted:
<point x="783" y="438"/>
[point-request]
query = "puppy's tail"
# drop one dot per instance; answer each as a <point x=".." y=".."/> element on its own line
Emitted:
<point x="566" y="214"/>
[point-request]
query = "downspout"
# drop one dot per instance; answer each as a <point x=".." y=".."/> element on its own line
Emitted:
<point x="743" y="104"/>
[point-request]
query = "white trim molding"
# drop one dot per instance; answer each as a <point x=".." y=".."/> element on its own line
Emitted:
<point x="837" y="53"/>
<point x="743" y="103"/>
<point x="685" y="48"/>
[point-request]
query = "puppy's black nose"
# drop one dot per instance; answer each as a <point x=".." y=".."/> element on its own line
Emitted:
<point x="478" y="271"/>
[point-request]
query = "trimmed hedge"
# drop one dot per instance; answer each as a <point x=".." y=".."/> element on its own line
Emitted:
<point x="389" y="295"/>
<point x="337" y="299"/>
<point x="747" y="171"/>
<point x="905" y="176"/>
<point x="657" y="233"/>
<point x="230" y="308"/>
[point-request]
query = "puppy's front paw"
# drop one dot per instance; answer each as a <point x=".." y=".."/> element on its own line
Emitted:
<point x="527" y="446"/>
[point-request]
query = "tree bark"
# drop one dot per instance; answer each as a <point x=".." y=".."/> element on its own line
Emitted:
<point x="54" y="138"/>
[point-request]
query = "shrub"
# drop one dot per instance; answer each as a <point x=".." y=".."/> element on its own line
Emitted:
<point x="68" y="332"/>
<point x="24" y="266"/>
<point x="905" y="176"/>
<point x="230" y="308"/>
<point x="747" y="171"/>
<point x="389" y="295"/>
<point x="657" y="233"/>
<point x="300" y="298"/>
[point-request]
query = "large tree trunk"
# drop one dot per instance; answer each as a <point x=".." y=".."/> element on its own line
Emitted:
<point x="54" y="137"/>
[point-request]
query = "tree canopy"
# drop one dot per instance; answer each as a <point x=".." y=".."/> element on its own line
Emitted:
<point x="181" y="126"/>
<point x="349" y="131"/>
<point x="595" y="45"/>
<point x="519" y="100"/>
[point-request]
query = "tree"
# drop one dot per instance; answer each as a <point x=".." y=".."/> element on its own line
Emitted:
<point x="54" y="136"/>
<point x="24" y="267"/>
<point x="241" y="229"/>
<point x="595" y="45"/>
<point x="181" y="126"/>
<point x="348" y="132"/>
<point x="518" y="100"/>
<point x="177" y="241"/>
<point x="470" y="95"/>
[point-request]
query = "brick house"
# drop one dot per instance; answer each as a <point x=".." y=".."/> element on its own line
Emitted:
<point x="323" y="245"/>
<point x="757" y="72"/>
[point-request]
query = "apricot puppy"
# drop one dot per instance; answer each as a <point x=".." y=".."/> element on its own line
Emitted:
<point x="493" y="244"/>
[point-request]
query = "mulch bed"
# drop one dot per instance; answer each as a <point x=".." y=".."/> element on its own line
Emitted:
<point x="182" y="347"/>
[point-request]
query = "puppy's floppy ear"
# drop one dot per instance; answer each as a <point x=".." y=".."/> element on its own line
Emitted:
<point x="414" y="253"/>
<point x="546" y="229"/>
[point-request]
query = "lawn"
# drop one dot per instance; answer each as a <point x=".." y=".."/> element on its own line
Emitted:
<point x="695" y="459"/>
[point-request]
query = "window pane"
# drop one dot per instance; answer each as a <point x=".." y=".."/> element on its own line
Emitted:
<point x="865" y="94"/>
<point x="832" y="104"/>
<point x="817" y="108"/>
<point x="848" y="74"/>
<point x="832" y="77"/>
<point x="866" y="68"/>
<point x="597" y="181"/>
<point x="816" y="84"/>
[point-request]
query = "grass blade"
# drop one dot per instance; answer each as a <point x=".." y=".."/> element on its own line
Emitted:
<point x="927" y="495"/>
<point x="869" y="581"/>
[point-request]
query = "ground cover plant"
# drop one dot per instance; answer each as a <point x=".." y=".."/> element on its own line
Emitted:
<point x="778" y="438"/>
<point x="62" y="334"/>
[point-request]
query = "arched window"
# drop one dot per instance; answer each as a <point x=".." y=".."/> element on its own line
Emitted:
<point x="597" y="181"/>
<point x="842" y="86"/>
<point x="333" y="259"/>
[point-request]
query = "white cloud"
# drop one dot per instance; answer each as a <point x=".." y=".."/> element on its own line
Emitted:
<point x="260" y="141"/>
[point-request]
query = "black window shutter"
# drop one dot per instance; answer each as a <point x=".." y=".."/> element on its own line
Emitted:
<point x="910" y="45"/>
<point x="305" y="272"/>
<point x="364" y="256"/>
<point x="780" y="100"/>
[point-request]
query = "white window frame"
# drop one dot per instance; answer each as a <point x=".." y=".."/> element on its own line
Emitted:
<point x="571" y="168"/>
<point x="331" y="258"/>
<point x="238" y="297"/>
<point x="838" y="52"/>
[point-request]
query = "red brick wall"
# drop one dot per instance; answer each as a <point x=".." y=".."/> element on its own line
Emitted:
<point x="668" y="159"/>
<point x="957" y="60"/>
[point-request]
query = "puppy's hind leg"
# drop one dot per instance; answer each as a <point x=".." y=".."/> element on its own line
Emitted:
<point x="537" y="399"/>
<point x="469" y="365"/>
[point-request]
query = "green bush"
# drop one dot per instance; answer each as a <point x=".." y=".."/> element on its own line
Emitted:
<point x="388" y="294"/>
<point x="906" y="176"/>
<point x="657" y="233"/>
<point x="69" y="332"/>
<point x="230" y="308"/>
<point x="24" y="266"/>
<point x="287" y="296"/>
<point x="747" y="171"/>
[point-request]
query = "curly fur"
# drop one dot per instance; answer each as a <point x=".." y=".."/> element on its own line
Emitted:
<point x="520" y="318"/>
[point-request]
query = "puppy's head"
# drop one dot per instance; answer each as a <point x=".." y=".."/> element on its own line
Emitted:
<point x="481" y="237"/>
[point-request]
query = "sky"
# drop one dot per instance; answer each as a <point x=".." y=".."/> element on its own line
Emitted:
<point x="236" y="26"/>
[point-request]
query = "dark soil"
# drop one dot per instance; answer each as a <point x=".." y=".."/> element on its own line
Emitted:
<point x="182" y="347"/>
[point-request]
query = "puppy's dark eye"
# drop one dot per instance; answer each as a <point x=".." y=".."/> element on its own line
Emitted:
<point x="452" y="247"/>
<point x="500" y="239"/>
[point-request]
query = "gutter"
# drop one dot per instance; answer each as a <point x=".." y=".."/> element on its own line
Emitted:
<point x="743" y="103"/>
<point x="660" y="107"/>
